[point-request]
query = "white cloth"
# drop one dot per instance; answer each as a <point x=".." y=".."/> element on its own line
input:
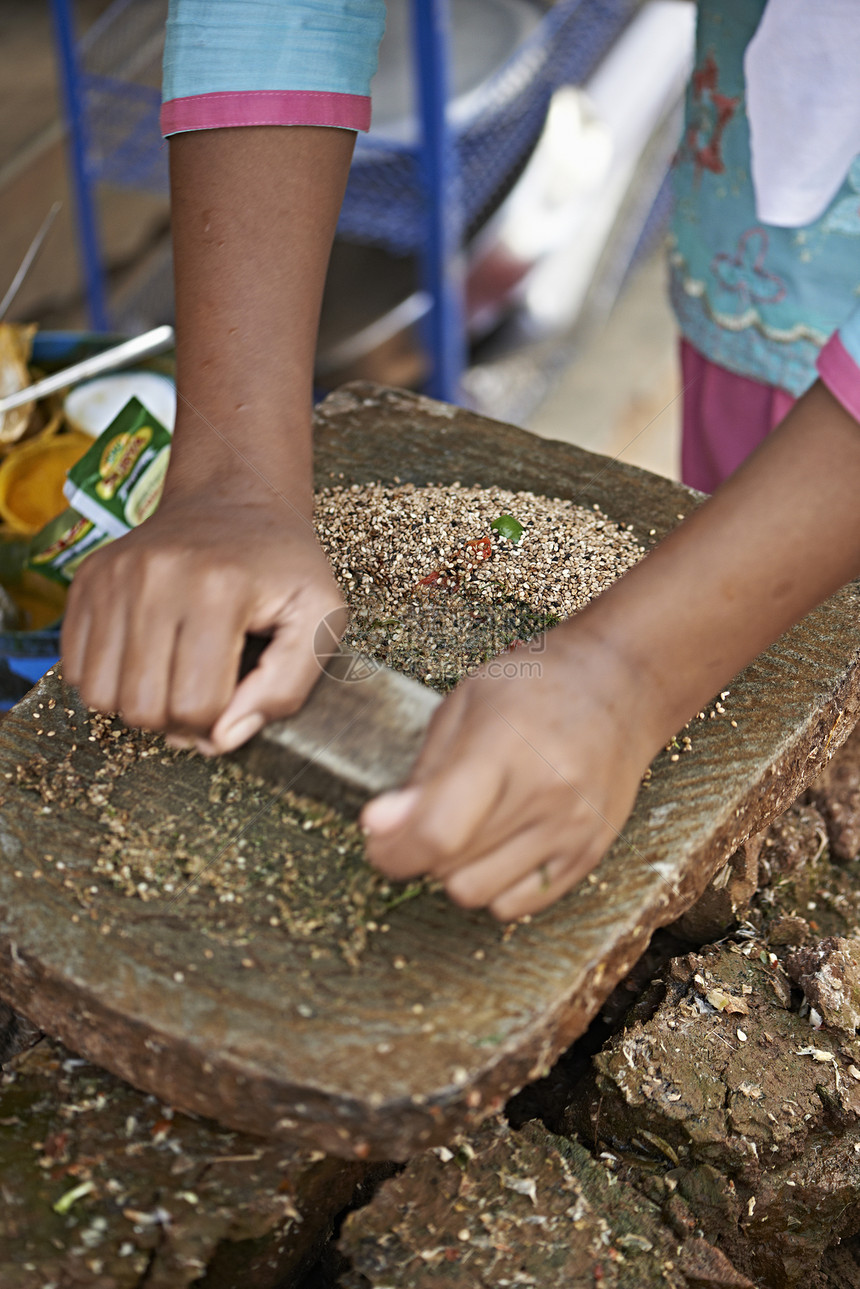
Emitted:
<point x="802" y="71"/>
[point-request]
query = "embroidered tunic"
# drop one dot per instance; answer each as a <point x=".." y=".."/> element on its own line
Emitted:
<point x="759" y="300"/>
<point x="754" y="298"/>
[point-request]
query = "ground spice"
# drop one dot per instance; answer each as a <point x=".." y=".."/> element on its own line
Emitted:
<point x="237" y="856"/>
<point x="435" y="587"/>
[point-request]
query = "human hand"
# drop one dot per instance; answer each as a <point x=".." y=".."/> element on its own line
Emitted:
<point x="523" y="783"/>
<point x="156" y="621"/>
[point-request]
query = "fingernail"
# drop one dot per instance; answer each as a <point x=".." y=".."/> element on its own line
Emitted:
<point x="388" y="811"/>
<point x="243" y="729"/>
<point x="179" y="743"/>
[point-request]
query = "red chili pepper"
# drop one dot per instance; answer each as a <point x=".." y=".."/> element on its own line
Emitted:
<point x="483" y="547"/>
<point x="436" y="579"/>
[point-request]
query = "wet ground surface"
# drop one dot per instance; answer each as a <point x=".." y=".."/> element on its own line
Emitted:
<point x="106" y="1188"/>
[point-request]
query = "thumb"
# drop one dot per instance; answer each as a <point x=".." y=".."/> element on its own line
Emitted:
<point x="387" y="812"/>
<point x="285" y="674"/>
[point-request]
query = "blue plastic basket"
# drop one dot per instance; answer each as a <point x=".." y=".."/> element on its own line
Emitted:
<point x="119" y="65"/>
<point x="385" y="203"/>
<point x="25" y="656"/>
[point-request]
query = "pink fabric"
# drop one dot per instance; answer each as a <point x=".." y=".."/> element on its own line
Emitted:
<point x="265" y="107"/>
<point x="840" y="374"/>
<point x="725" y="417"/>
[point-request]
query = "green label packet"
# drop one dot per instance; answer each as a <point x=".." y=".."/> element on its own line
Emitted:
<point x="117" y="483"/>
<point x="113" y="488"/>
<point x="58" y="549"/>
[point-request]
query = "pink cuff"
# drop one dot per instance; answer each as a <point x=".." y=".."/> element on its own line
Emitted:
<point x="840" y="374"/>
<point x="265" y="107"/>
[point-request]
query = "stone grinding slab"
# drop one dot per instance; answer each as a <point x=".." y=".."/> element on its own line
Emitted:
<point x="448" y="1013"/>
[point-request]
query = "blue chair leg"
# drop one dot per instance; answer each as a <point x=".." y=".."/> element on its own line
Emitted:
<point x="85" y="205"/>
<point x="443" y="248"/>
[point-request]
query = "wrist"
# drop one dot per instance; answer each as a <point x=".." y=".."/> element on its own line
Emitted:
<point x="265" y="466"/>
<point x="663" y="676"/>
<point x="600" y="656"/>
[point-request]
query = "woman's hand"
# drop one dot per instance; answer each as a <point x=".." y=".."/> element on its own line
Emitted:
<point x="156" y="620"/>
<point x="525" y="779"/>
<point x="524" y="783"/>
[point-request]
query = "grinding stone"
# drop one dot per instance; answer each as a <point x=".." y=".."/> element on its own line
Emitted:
<point x="358" y="1071"/>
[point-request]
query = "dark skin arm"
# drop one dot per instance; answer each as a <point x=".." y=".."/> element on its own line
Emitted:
<point x="156" y="621"/>
<point x="523" y="784"/>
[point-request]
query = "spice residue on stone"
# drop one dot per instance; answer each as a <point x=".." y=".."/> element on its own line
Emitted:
<point x="520" y="1208"/>
<point x="231" y="855"/>
<point x="434" y="589"/>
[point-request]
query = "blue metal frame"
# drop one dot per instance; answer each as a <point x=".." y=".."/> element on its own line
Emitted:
<point x="416" y="203"/>
<point x="437" y="157"/>
<point x="443" y="250"/>
<point x="86" y="211"/>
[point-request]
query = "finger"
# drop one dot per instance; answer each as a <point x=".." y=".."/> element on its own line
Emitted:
<point x="277" y="687"/>
<point x="448" y="817"/>
<point x="483" y="749"/>
<point x="144" y="686"/>
<point x="477" y="884"/>
<point x="389" y="811"/>
<point x="442" y="733"/>
<point x="204" y="669"/>
<point x="287" y="669"/>
<point x="103" y="658"/>
<point x="73" y="641"/>
<point x="548" y="883"/>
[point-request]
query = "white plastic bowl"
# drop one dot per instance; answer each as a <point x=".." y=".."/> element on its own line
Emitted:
<point x="92" y="406"/>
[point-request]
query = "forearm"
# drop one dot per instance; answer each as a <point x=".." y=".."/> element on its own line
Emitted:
<point x="777" y="538"/>
<point x="254" y="214"/>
